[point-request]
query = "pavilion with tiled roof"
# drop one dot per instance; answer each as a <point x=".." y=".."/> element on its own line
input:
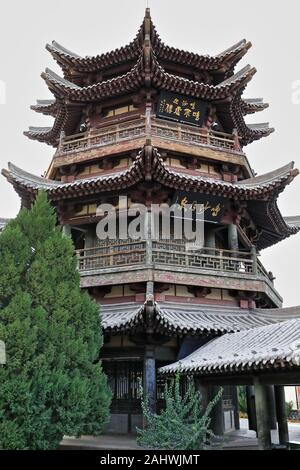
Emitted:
<point x="155" y="124"/>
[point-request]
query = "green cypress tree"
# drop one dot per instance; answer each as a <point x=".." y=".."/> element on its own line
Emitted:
<point x="53" y="384"/>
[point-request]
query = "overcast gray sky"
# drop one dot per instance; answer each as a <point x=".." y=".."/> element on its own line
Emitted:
<point x="93" y="26"/>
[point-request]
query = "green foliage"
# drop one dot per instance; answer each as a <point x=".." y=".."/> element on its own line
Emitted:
<point x="53" y="384"/>
<point x="182" y="425"/>
<point x="242" y="399"/>
<point x="289" y="406"/>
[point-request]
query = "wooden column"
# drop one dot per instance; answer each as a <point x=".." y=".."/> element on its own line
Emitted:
<point x="90" y="238"/>
<point x="210" y="241"/>
<point x="150" y="377"/>
<point x="251" y="411"/>
<point x="217" y="415"/>
<point x="235" y="403"/>
<point x="148" y="237"/>
<point x="66" y="229"/>
<point x="262" y="415"/>
<point x="283" y="429"/>
<point x="271" y="404"/>
<point x="254" y="260"/>
<point x="233" y="237"/>
<point x="204" y="391"/>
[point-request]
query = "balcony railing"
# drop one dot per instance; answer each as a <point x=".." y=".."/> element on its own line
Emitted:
<point x="112" y="255"/>
<point x="168" y="253"/>
<point x="193" y="135"/>
<point x="172" y="254"/>
<point x="137" y="128"/>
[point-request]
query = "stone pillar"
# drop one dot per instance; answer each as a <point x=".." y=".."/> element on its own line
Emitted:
<point x="262" y="415"/>
<point x="217" y="415"/>
<point x="150" y="377"/>
<point x="251" y="411"/>
<point x="233" y="238"/>
<point x="283" y="429"/>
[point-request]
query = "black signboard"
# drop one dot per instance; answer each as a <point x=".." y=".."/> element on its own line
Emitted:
<point x="181" y="108"/>
<point x="214" y="207"/>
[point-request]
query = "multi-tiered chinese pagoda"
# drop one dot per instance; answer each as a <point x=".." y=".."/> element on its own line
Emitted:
<point x="159" y="124"/>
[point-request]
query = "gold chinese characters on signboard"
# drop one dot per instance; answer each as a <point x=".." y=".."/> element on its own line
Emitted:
<point x="213" y="207"/>
<point x="181" y="108"/>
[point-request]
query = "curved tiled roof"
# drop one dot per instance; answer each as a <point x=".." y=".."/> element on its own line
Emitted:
<point x="260" y="192"/>
<point x="259" y="187"/>
<point x="66" y="117"/>
<point x="133" y="79"/>
<point x="192" y="319"/>
<point x="293" y="221"/>
<point x="121" y="317"/>
<point x="275" y="346"/>
<point x="47" y="107"/>
<point x="225" y="60"/>
<point x="253" y="105"/>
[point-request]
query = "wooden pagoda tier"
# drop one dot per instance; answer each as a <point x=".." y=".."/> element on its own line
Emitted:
<point x="256" y="196"/>
<point x="137" y="74"/>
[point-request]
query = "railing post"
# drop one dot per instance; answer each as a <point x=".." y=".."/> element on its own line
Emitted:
<point x="61" y="141"/>
<point x="254" y="260"/>
<point x="236" y="141"/>
<point x="111" y="256"/>
<point x="117" y="133"/>
<point x="208" y="135"/>
<point x="179" y="131"/>
<point x="89" y="139"/>
<point x="221" y="254"/>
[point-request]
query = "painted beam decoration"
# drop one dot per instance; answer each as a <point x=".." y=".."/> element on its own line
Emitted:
<point x="215" y="208"/>
<point x="181" y="108"/>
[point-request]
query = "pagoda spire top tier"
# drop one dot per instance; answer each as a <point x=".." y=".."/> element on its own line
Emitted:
<point x="71" y="62"/>
<point x="146" y="67"/>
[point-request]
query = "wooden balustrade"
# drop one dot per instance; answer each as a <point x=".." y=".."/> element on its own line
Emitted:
<point x="205" y="258"/>
<point x="169" y="253"/>
<point x="137" y="128"/>
<point x="192" y="135"/>
<point x="112" y="255"/>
